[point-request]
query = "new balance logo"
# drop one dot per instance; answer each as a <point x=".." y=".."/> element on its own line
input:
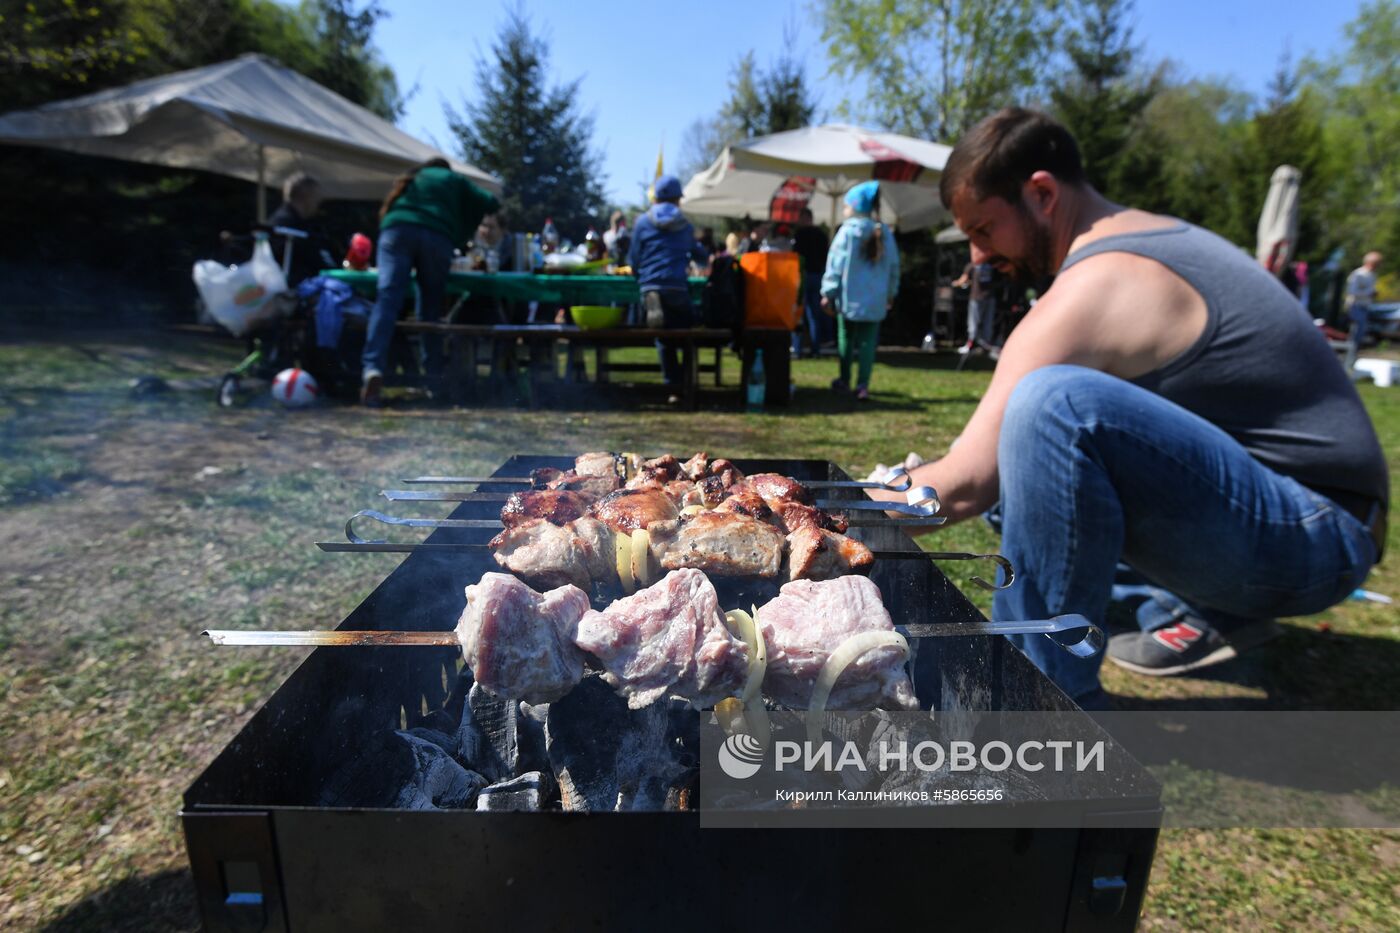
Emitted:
<point x="1178" y="637"/>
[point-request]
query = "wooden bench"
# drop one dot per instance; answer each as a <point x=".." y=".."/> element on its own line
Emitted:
<point x="465" y="343"/>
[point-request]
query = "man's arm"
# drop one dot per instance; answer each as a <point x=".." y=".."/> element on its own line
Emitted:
<point x="1116" y="313"/>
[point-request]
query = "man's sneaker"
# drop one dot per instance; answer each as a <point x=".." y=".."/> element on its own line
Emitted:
<point x="840" y="385"/>
<point x="1186" y="645"/>
<point x="862" y="394"/>
<point x="372" y="388"/>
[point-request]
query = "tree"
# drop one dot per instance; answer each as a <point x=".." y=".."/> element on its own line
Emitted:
<point x="760" y="103"/>
<point x="531" y="136"/>
<point x="53" y="49"/>
<point x="1101" y="100"/>
<point x="1178" y="159"/>
<point x="1358" y="94"/>
<point x="135" y="229"/>
<point x="932" y="68"/>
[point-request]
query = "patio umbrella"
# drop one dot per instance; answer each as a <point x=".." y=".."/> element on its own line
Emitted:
<point x="774" y="176"/>
<point x="949" y="235"/>
<point x="248" y="118"/>
<point x="1278" y="222"/>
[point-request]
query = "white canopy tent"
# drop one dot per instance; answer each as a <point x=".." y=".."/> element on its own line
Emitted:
<point x="825" y="161"/>
<point x="248" y="118"/>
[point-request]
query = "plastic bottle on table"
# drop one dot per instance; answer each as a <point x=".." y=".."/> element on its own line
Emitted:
<point x="758" y="383"/>
<point x="549" y="237"/>
<point x="593" y="245"/>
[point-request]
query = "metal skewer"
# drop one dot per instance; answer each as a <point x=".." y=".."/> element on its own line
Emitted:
<point x="920" y="501"/>
<point x="338" y="639"/>
<point x="495" y="523"/>
<point x="389" y="547"/>
<point x="1062" y="630"/>
<point x="1088" y="644"/>
<point x="898" y="481"/>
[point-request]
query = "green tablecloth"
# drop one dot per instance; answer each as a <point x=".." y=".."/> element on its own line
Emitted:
<point x="563" y="289"/>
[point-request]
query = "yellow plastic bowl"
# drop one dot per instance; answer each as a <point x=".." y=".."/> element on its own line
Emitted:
<point x="596" y="317"/>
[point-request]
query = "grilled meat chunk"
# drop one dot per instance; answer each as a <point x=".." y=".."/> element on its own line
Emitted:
<point x="696" y="467"/>
<point x="668" y="639"/>
<point x="663" y="469"/>
<point x="795" y="515"/>
<point x="750" y="504"/>
<point x="519" y="643"/>
<point x="724" y="544"/>
<point x="630" y="509"/>
<point x="807" y="622"/>
<point x="814" y="553"/>
<point x="594" y="487"/>
<point x="556" y="506"/>
<point x="548" y="555"/>
<point x="598" y="463"/>
<point x="774" y="486"/>
<point x="787" y="516"/>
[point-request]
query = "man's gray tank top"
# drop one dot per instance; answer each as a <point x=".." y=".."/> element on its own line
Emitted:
<point x="1260" y="371"/>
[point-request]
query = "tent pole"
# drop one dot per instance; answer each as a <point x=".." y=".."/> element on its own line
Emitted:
<point x="262" y="185"/>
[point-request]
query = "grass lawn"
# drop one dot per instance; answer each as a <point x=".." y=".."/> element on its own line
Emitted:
<point x="129" y="524"/>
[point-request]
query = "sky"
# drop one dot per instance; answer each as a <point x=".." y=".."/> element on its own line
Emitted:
<point x="650" y="69"/>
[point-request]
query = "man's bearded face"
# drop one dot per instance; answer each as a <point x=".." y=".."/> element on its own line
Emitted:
<point x="1009" y="236"/>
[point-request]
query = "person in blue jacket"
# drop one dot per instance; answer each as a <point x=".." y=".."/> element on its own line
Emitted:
<point x="861" y="280"/>
<point x="663" y="243"/>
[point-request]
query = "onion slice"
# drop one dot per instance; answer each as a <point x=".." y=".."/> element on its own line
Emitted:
<point x="846" y="654"/>
<point x="641" y="558"/>
<point x="743" y="625"/>
<point x="690" y="510"/>
<point x="622" y="544"/>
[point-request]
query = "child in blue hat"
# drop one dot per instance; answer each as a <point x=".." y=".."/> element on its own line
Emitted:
<point x="861" y="281"/>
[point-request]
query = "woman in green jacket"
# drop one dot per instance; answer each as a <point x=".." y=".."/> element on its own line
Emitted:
<point x="428" y="212"/>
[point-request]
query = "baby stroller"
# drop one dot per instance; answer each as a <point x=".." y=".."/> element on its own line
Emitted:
<point x="280" y="331"/>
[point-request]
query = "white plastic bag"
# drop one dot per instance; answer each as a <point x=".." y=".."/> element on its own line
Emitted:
<point x="241" y="298"/>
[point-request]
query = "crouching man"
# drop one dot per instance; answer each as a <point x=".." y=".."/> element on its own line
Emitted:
<point x="1166" y="404"/>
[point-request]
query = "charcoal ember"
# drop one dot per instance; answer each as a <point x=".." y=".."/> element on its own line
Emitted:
<point x="457" y="697"/>
<point x="403" y="771"/>
<point x="530" y="791"/>
<point x="609" y="757"/>
<point x="447" y="741"/>
<point x="498" y="738"/>
<point x="438" y="721"/>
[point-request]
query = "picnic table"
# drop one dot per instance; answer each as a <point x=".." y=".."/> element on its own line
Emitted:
<point x="465" y="343"/>
<point x="524" y="286"/>
<point x="538" y="373"/>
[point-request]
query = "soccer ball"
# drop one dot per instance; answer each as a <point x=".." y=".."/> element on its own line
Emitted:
<point x="295" y="388"/>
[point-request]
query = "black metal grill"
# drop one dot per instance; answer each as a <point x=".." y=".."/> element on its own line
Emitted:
<point x="266" y="855"/>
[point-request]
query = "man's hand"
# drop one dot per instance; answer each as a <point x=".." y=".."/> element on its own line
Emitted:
<point x="919" y="476"/>
<point x="828" y="308"/>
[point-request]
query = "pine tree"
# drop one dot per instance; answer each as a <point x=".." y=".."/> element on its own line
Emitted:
<point x="1100" y="101"/>
<point x="531" y="136"/>
<point x="760" y="103"/>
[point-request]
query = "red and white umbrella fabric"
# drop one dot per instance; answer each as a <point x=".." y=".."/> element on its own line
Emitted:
<point x="773" y="177"/>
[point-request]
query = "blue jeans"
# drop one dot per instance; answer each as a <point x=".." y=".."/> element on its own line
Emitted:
<point x="677" y="313"/>
<point x="819" y="326"/>
<point x="403" y="250"/>
<point x="1094" y="469"/>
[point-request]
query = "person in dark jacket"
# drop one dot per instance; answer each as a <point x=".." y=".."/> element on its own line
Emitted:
<point x="428" y="212"/>
<point x="810" y="242"/>
<point x="301" y="202"/>
<point x="663" y="243"/>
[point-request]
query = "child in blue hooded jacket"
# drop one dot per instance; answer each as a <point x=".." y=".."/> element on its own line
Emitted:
<point x="861" y="281"/>
<point x="663" y="243"/>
